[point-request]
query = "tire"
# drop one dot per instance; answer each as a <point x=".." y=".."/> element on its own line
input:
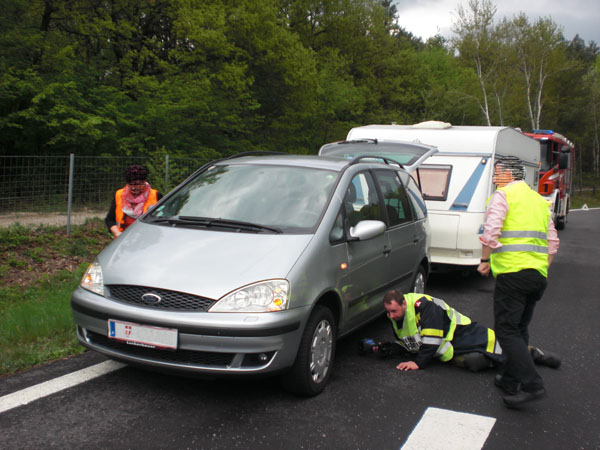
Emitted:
<point x="561" y="222"/>
<point x="314" y="362"/>
<point x="419" y="281"/>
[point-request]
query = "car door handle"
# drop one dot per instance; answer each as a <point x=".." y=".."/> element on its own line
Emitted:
<point x="387" y="250"/>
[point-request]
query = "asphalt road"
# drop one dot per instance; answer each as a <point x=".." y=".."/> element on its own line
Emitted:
<point x="368" y="404"/>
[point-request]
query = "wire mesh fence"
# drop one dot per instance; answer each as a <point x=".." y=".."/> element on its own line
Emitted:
<point x="69" y="184"/>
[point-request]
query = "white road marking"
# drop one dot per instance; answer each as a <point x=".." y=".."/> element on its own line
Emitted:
<point x="49" y="387"/>
<point x="441" y="429"/>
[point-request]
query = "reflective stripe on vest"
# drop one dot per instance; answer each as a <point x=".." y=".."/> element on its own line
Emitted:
<point x="410" y="334"/>
<point x="151" y="200"/>
<point x="524" y="234"/>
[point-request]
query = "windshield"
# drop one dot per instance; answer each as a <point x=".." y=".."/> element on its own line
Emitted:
<point x="290" y="199"/>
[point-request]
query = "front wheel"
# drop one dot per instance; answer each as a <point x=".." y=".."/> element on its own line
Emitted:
<point x="419" y="281"/>
<point x="314" y="361"/>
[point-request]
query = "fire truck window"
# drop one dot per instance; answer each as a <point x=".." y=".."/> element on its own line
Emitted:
<point x="546" y="155"/>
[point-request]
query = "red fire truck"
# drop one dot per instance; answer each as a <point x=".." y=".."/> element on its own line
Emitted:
<point x="557" y="163"/>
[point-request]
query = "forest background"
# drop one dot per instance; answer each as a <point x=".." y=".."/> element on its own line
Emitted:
<point x="211" y="78"/>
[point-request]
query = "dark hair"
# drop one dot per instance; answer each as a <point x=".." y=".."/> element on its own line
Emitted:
<point x="136" y="173"/>
<point x="393" y="296"/>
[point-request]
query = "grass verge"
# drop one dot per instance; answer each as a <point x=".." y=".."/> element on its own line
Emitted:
<point x="586" y="198"/>
<point x="36" y="324"/>
<point x="42" y="268"/>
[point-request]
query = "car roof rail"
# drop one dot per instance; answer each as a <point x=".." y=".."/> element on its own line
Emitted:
<point x="359" y="141"/>
<point x="253" y="153"/>
<point x="387" y="161"/>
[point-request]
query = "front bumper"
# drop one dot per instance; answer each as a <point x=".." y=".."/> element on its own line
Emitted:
<point x="208" y="343"/>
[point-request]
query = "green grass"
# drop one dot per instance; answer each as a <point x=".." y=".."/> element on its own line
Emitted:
<point x="42" y="268"/>
<point x="586" y="191"/>
<point x="36" y="324"/>
<point x="585" y="198"/>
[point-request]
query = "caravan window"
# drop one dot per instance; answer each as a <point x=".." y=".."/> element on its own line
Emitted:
<point x="434" y="181"/>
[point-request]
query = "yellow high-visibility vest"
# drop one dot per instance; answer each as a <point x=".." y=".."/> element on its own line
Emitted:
<point x="411" y="335"/>
<point x="524" y="235"/>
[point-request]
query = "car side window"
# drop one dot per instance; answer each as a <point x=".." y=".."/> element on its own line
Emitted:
<point x="415" y="196"/>
<point x="337" y="232"/>
<point x="395" y="198"/>
<point x="361" y="201"/>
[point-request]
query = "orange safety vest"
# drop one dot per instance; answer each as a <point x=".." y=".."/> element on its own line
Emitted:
<point x="119" y="214"/>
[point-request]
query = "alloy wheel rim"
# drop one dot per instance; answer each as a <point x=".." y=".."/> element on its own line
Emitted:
<point x="320" y="351"/>
<point x="420" y="284"/>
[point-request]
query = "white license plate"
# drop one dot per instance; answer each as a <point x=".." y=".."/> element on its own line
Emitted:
<point x="142" y="335"/>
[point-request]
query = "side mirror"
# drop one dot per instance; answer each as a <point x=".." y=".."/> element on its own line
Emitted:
<point x="367" y="229"/>
<point x="565" y="149"/>
<point x="563" y="161"/>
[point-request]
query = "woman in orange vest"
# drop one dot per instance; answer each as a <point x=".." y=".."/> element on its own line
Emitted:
<point x="131" y="201"/>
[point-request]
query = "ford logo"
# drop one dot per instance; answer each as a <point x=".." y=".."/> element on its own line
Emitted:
<point x="151" y="299"/>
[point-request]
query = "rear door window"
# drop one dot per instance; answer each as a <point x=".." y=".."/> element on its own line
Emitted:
<point x="395" y="199"/>
<point x="415" y="196"/>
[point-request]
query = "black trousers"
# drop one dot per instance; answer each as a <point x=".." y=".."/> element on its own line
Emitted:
<point x="515" y="296"/>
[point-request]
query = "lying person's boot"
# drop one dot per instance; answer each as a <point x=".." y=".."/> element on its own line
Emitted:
<point x="476" y="361"/>
<point x="544" y="358"/>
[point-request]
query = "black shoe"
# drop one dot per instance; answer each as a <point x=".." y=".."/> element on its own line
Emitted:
<point x="545" y="358"/>
<point x="510" y="390"/>
<point x="517" y="400"/>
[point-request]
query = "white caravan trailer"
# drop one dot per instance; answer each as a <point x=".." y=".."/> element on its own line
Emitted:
<point x="457" y="181"/>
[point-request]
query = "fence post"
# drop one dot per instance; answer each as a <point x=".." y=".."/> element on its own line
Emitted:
<point x="70" y="195"/>
<point x="166" y="173"/>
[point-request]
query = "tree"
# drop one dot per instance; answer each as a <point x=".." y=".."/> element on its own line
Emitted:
<point x="540" y="50"/>
<point x="478" y="42"/>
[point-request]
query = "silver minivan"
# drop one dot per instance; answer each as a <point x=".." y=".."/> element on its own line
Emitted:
<point x="256" y="265"/>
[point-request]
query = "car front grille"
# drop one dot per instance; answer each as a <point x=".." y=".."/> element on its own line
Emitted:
<point x="191" y="357"/>
<point x="169" y="300"/>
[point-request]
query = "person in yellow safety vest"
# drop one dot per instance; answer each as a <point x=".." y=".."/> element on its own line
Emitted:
<point x="131" y="201"/>
<point x="519" y="241"/>
<point x="428" y="328"/>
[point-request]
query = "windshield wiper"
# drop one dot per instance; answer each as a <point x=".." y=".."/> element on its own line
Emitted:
<point x="213" y="222"/>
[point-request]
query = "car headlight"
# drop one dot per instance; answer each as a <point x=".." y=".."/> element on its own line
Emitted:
<point x="92" y="279"/>
<point x="265" y="296"/>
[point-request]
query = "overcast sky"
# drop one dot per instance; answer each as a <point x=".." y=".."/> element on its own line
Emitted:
<point x="426" y="18"/>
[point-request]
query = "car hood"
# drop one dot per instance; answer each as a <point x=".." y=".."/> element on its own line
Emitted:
<point x="201" y="262"/>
